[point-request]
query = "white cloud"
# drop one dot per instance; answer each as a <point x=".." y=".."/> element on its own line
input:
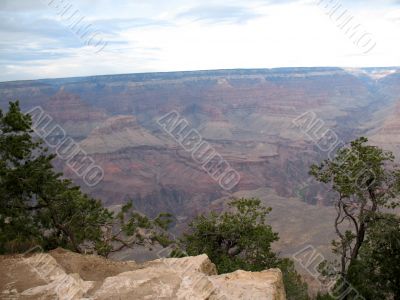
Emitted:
<point x="157" y="35"/>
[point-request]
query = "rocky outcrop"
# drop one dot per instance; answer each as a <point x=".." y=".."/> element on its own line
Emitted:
<point x="64" y="275"/>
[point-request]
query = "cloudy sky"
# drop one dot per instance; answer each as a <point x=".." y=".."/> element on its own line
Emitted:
<point x="63" y="38"/>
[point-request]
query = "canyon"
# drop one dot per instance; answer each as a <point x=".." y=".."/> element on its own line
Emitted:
<point x="249" y="118"/>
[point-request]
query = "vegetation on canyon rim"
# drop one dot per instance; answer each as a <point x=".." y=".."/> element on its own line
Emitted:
<point x="240" y="239"/>
<point x="40" y="207"/>
<point x="367" y="185"/>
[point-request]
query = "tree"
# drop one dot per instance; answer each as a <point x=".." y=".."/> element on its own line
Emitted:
<point x="39" y="207"/>
<point x="129" y="228"/>
<point x="241" y="239"/>
<point x="376" y="274"/>
<point x="365" y="182"/>
<point x="21" y="176"/>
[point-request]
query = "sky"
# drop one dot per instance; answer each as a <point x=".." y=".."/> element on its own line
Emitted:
<point x="65" y="38"/>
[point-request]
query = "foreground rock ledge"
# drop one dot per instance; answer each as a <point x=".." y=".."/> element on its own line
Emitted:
<point x="64" y="275"/>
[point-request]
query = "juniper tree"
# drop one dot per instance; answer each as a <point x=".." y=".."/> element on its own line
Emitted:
<point x="365" y="182"/>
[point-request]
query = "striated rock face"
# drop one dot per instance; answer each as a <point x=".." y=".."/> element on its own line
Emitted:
<point x="76" y="117"/>
<point x="117" y="133"/>
<point x="246" y="115"/>
<point x="64" y="275"/>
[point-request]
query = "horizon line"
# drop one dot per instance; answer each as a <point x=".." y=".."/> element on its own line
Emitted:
<point x="195" y="71"/>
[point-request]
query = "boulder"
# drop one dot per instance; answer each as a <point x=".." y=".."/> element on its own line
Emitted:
<point x="64" y="275"/>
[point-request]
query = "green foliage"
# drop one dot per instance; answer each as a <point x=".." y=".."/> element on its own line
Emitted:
<point x="234" y="240"/>
<point x="39" y="207"/>
<point x="356" y="169"/>
<point x="366" y="182"/>
<point x="376" y="274"/>
<point x="295" y="287"/>
<point x="241" y="239"/>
